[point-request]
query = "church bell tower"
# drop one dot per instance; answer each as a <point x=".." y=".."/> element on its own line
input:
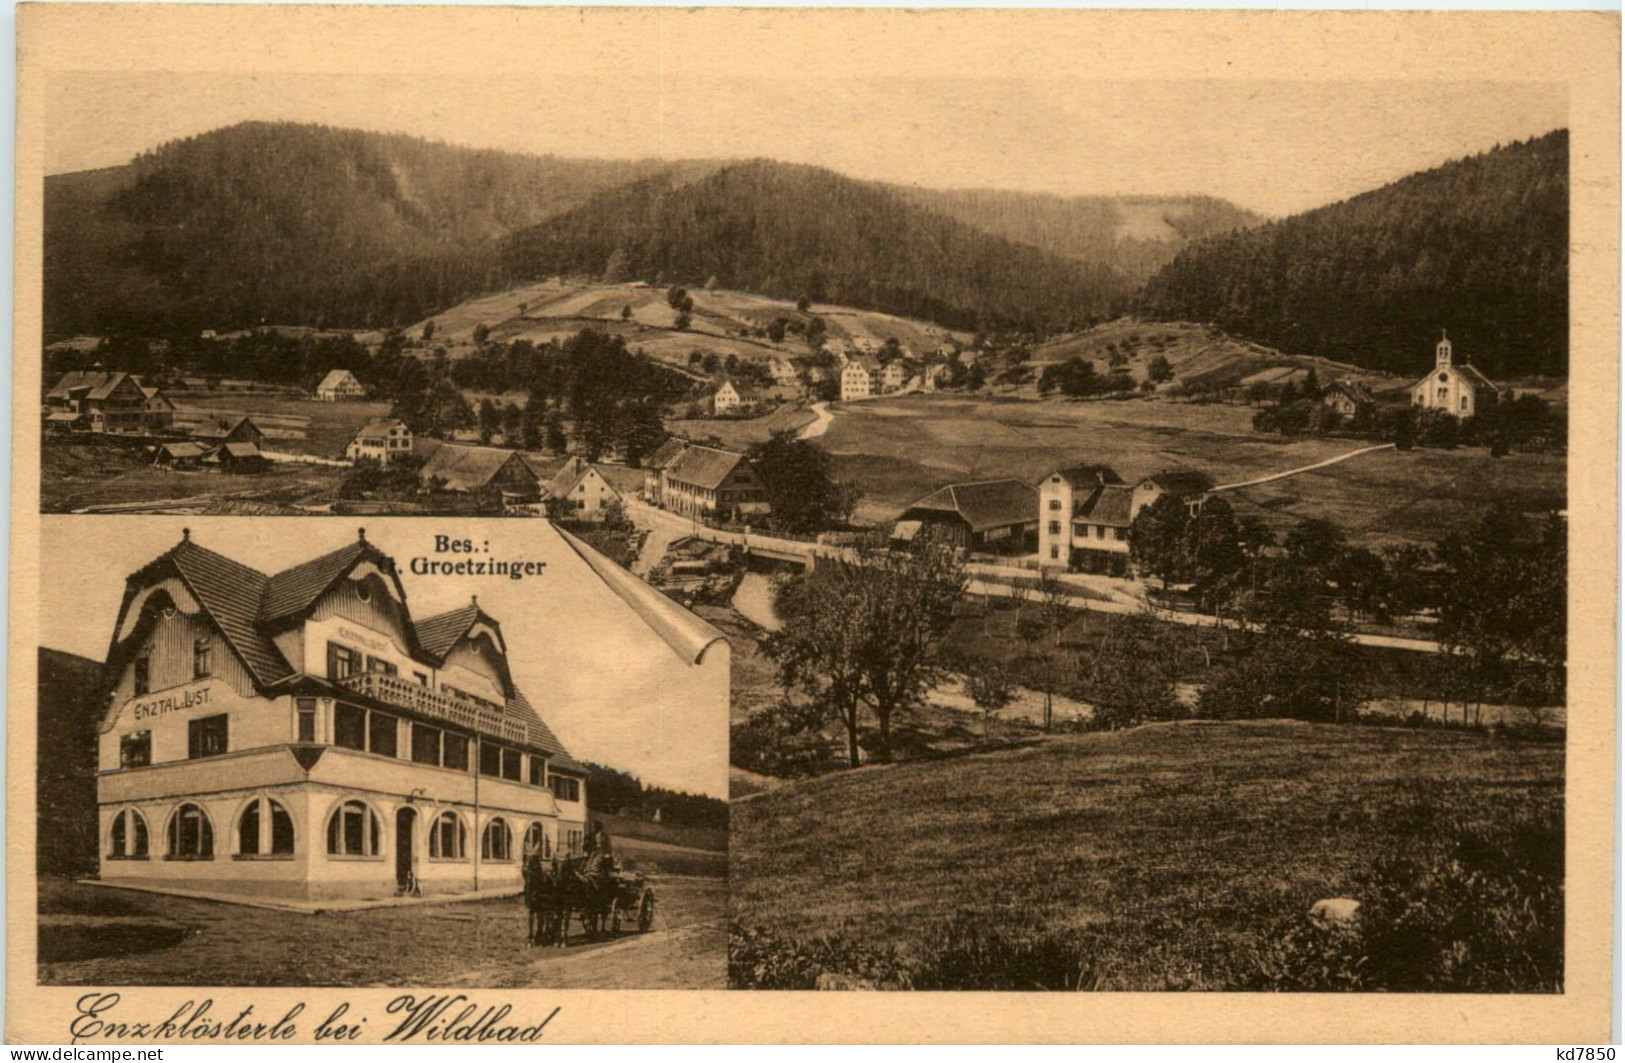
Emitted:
<point x="1443" y="351"/>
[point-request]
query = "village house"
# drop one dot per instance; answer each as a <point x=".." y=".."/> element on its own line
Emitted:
<point x="995" y="516"/>
<point x="302" y="735"/>
<point x="98" y="401"/>
<point x="1456" y="389"/>
<point x="579" y="492"/>
<point x="784" y="372"/>
<point x="1085" y="512"/>
<point x="894" y="375"/>
<point x="654" y="466"/>
<point x="182" y="455"/>
<point x="382" y="439"/>
<point x="340" y="385"/>
<point x="160" y="410"/>
<point x="238" y="458"/>
<point x="223" y="430"/>
<point x="729" y="398"/>
<point x="707" y="482"/>
<point x="860" y="377"/>
<point x="1347" y="398"/>
<point x="488" y="471"/>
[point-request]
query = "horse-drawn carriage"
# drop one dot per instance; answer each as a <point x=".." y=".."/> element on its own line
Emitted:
<point x="605" y="897"/>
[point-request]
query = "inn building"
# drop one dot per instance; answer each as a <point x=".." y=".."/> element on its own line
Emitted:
<point x="302" y="735"/>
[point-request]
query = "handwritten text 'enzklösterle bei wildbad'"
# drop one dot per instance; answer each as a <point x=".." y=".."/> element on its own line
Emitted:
<point x="469" y="558"/>
<point x="433" y="1018"/>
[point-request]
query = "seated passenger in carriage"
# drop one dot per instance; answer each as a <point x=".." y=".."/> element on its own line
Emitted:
<point x="600" y="856"/>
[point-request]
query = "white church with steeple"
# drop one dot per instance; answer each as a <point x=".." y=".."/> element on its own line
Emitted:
<point x="1457" y="389"/>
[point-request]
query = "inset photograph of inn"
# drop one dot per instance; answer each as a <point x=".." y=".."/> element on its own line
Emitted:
<point x="397" y="756"/>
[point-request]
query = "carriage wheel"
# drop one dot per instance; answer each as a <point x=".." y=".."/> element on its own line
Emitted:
<point x="646" y="911"/>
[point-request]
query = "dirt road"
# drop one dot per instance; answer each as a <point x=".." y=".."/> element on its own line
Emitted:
<point x="94" y="936"/>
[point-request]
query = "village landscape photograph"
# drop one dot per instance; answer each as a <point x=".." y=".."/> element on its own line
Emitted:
<point x="1125" y="551"/>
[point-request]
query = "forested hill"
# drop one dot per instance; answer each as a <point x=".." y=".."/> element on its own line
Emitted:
<point x="1135" y="235"/>
<point x="303" y="224"/>
<point x="791" y="230"/>
<point x="1478" y="246"/>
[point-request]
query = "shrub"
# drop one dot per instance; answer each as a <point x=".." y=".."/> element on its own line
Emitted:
<point x="1474" y="909"/>
<point x="761" y="959"/>
<point x="782" y="740"/>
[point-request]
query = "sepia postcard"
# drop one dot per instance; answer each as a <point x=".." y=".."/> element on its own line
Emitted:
<point x="728" y="525"/>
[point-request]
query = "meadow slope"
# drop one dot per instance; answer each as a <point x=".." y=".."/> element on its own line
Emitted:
<point x="1169" y="856"/>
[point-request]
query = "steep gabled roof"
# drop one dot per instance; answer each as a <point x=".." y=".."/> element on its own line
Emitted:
<point x="439" y="633"/>
<point x="113" y="382"/>
<point x="294" y="590"/>
<point x="1087" y="476"/>
<point x="231" y="592"/>
<point x="379" y="426"/>
<point x="1476" y="378"/>
<point x="75" y="379"/>
<point x="213" y="430"/>
<point x="540" y="734"/>
<point x="571" y="473"/>
<point x="335" y="377"/>
<point x="1181" y="481"/>
<point x="1111" y="504"/>
<point x="1355" y="393"/>
<point x="703" y="467"/>
<point x="469" y="468"/>
<point x="984" y="504"/>
<point x="664" y="453"/>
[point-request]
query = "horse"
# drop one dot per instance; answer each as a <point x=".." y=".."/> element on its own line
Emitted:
<point x="588" y="890"/>
<point x="547" y="906"/>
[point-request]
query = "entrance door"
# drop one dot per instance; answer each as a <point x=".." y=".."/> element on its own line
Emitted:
<point x="405" y="820"/>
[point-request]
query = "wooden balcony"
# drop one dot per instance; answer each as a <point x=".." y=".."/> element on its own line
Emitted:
<point x="477" y="716"/>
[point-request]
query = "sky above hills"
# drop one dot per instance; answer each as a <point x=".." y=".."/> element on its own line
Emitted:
<point x="1275" y="146"/>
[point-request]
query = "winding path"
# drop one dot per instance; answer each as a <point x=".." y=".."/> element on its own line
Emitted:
<point x="822" y="419"/>
<point x="1304" y="468"/>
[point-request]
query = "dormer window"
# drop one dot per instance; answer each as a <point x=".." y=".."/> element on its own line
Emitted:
<point x="202" y="662"/>
<point x="143" y="676"/>
<point x="362" y="592"/>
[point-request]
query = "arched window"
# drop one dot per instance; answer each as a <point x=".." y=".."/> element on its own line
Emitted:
<point x="353" y="831"/>
<point x="264" y="811"/>
<point x="191" y="835"/>
<point x="497" y="842"/>
<point x="536" y="841"/>
<point x="448" y="838"/>
<point x="129" y="837"/>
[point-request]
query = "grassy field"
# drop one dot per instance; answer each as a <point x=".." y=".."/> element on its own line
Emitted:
<point x="740" y="434"/>
<point x="1198" y="354"/>
<point x="897" y="450"/>
<point x="75" y="474"/>
<point x="1171" y="856"/>
<point x="544" y="312"/>
<point x="328" y="425"/>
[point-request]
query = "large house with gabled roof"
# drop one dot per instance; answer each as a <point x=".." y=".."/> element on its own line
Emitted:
<point x="705" y="481"/>
<point x="1085" y="512"/>
<point x="95" y="400"/>
<point x="986" y="515"/>
<point x="302" y="735"/>
<point x="340" y="385"/>
<point x="489" y="471"/>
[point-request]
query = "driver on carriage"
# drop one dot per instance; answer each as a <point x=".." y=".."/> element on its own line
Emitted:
<point x="600" y="857"/>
